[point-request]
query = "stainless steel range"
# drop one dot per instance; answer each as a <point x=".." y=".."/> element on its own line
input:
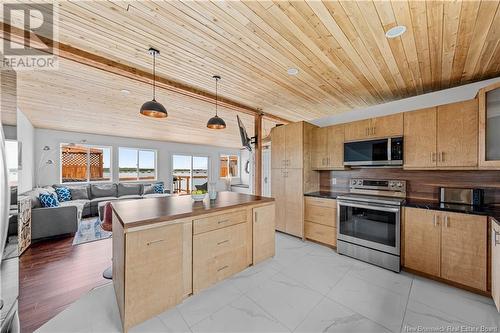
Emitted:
<point x="369" y="221"/>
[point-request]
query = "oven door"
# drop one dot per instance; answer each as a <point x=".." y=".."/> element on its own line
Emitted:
<point x="374" y="226"/>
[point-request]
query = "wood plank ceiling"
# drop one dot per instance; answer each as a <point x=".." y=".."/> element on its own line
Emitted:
<point x="343" y="57"/>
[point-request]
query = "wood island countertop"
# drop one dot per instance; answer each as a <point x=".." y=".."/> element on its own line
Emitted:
<point x="134" y="213"/>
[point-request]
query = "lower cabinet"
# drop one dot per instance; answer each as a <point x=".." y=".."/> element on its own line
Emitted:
<point x="448" y="245"/>
<point x="495" y="263"/>
<point x="220" y="253"/>
<point x="320" y="220"/>
<point x="263" y="233"/>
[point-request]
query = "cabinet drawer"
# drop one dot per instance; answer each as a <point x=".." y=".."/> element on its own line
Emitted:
<point x="218" y="221"/>
<point x="322" y="211"/>
<point x="217" y="242"/>
<point x="320" y="233"/>
<point x="208" y="271"/>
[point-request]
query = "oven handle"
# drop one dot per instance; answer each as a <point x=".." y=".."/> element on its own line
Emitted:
<point x="385" y="208"/>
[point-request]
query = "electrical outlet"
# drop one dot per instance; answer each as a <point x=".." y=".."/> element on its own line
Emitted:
<point x="334" y="181"/>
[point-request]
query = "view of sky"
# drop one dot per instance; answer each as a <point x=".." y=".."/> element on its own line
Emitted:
<point x="128" y="158"/>
<point x="11" y="152"/>
<point x="184" y="162"/>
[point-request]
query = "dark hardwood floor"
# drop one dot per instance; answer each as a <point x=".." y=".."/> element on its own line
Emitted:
<point x="53" y="274"/>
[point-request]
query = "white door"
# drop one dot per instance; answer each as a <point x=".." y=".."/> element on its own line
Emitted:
<point x="266" y="172"/>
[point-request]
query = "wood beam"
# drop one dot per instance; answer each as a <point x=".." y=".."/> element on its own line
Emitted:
<point x="258" y="154"/>
<point x="69" y="52"/>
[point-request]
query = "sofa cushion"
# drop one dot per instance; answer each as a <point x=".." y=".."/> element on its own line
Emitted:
<point x="79" y="204"/>
<point x="48" y="200"/>
<point x="129" y="189"/>
<point x="63" y="194"/>
<point x="103" y="190"/>
<point x="95" y="201"/>
<point x="79" y="193"/>
<point x="132" y="196"/>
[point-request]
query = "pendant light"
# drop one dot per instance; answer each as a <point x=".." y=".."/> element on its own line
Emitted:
<point x="216" y="122"/>
<point x="152" y="108"/>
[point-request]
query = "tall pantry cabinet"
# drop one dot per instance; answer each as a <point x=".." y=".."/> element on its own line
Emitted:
<point x="291" y="174"/>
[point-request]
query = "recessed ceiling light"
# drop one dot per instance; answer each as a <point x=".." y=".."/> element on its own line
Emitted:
<point x="292" y="71"/>
<point x="395" y="32"/>
<point x="125" y="92"/>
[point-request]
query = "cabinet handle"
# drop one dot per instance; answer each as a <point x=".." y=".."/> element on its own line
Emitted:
<point x="224" y="241"/>
<point x="442" y="156"/>
<point x="222" y="221"/>
<point x="435" y="221"/>
<point x="447" y="221"/>
<point x="495" y="238"/>
<point x="155" y="241"/>
<point x="255" y="219"/>
<point x="222" y="268"/>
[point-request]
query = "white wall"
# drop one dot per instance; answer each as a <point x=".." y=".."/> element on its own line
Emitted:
<point x="26" y="135"/>
<point x="50" y="174"/>
<point x="445" y="96"/>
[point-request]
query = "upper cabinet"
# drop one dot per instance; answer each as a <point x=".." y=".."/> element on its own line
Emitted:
<point x="380" y="127"/>
<point x="287" y="149"/>
<point x="327" y="149"/>
<point x="443" y="137"/>
<point x="489" y="126"/>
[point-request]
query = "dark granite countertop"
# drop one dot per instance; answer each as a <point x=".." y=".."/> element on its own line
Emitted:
<point x="486" y="210"/>
<point x="325" y="194"/>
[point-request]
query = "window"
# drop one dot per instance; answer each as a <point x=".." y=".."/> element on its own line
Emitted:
<point x="229" y="166"/>
<point x="11" y="151"/>
<point x="189" y="173"/>
<point x="84" y="163"/>
<point x="136" y="164"/>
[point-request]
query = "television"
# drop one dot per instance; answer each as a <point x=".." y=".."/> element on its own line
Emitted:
<point x="246" y="142"/>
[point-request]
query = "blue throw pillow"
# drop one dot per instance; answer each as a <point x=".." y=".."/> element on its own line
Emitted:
<point x="158" y="188"/>
<point x="48" y="200"/>
<point x="63" y="194"/>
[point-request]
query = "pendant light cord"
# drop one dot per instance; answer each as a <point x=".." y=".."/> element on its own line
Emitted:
<point x="154" y="76"/>
<point x="216" y="94"/>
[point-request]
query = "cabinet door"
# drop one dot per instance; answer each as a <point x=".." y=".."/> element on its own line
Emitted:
<point x="357" y="130"/>
<point x="263" y="233"/>
<point x="294" y="138"/>
<point x="495" y="263"/>
<point x="335" y="142"/>
<point x="457" y="134"/>
<point x="420" y="137"/>
<point x="278" y="147"/>
<point x="463" y="249"/>
<point x="278" y="193"/>
<point x="294" y="202"/>
<point x="489" y="126"/>
<point x="422" y="234"/>
<point x="387" y="126"/>
<point x="154" y="276"/>
<point x="319" y="147"/>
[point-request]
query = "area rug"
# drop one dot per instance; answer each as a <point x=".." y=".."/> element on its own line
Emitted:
<point x="90" y="230"/>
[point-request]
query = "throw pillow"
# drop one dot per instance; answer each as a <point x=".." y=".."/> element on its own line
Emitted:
<point x="48" y="200"/>
<point x="158" y="188"/>
<point x="63" y="194"/>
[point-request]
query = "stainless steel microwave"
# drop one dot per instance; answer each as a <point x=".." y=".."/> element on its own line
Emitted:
<point x="378" y="152"/>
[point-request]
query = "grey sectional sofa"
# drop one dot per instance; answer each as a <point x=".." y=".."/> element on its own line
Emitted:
<point x="56" y="221"/>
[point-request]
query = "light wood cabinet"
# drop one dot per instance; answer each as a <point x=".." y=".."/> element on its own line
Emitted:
<point x="380" y="127"/>
<point x="489" y="126"/>
<point x="495" y="262"/>
<point x="448" y="245"/>
<point x="328" y="148"/>
<point x="263" y="233"/>
<point x="291" y="178"/>
<point x="457" y="134"/>
<point x="320" y="220"/>
<point x="464" y="249"/>
<point x="422" y="241"/>
<point x="420" y="138"/>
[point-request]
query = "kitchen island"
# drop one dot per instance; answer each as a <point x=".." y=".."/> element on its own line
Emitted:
<point x="165" y="249"/>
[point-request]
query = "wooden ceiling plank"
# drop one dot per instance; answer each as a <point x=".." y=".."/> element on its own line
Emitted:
<point x="451" y="21"/>
<point x="356" y="17"/>
<point x="486" y="16"/>
<point x="388" y="21"/>
<point x="402" y="15"/>
<point x="435" y="27"/>
<point x="419" y="23"/>
<point x="468" y="16"/>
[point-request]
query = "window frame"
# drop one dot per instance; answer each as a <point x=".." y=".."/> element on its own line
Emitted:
<point x="191" y="167"/>
<point x="88" y="181"/>
<point x="238" y="164"/>
<point x="138" y="150"/>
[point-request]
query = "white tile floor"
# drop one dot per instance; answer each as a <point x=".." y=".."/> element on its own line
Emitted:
<point x="305" y="288"/>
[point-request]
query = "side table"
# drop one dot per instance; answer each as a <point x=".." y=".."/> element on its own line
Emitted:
<point x="24" y="223"/>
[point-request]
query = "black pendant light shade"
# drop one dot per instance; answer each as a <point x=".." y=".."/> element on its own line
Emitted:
<point x="216" y="122"/>
<point x="152" y="108"/>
